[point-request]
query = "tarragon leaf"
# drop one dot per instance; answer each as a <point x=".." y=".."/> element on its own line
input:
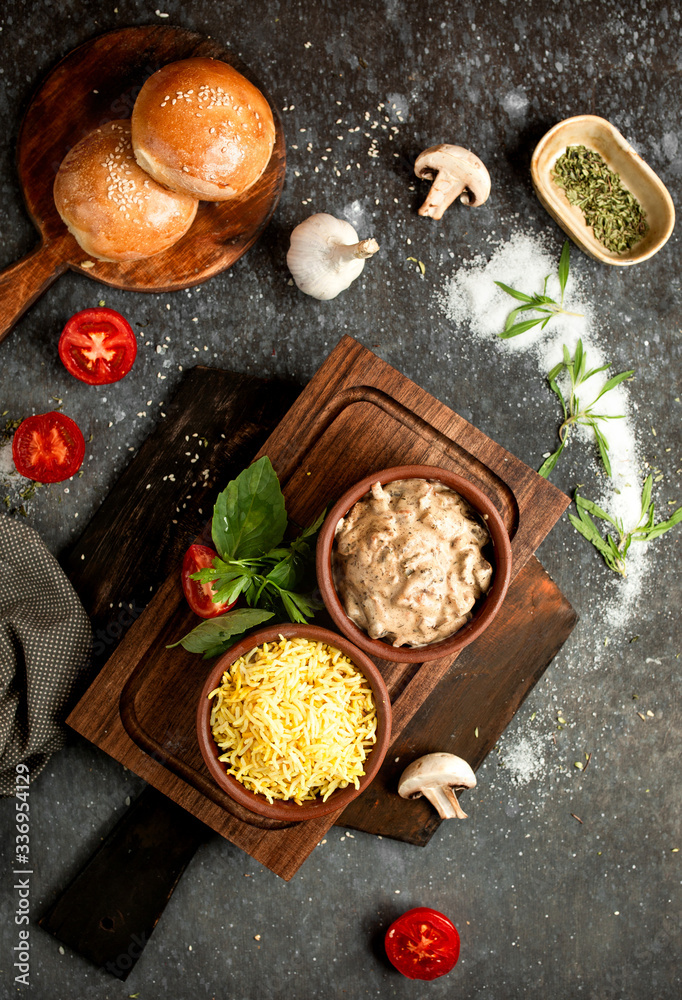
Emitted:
<point x="550" y="462"/>
<point x="613" y="382"/>
<point x="662" y="527"/>
<point x="555" y="389"/>
<point x="521" y="296"/>
<point x="588" y="529"/>
<point x="583" y="504"/>
<point x="518" y="328"/>
<point x="564" y="265"/>
<point x="646" y="493"/>
<point x="603" y="446"/>
<point x="595" y="371"/>
<point x="555" y="371"/>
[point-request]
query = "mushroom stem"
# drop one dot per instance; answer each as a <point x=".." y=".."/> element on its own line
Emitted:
<point x="445" y="802"/>
<point x="357" y="251"/>
<point x="441" y="195"/>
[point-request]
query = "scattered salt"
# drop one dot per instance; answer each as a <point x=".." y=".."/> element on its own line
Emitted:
<point x="524" y="757"/>
<point x="472" y="299"/>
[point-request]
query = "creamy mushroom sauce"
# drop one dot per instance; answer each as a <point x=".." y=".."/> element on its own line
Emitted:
<point x="408" y="562"/>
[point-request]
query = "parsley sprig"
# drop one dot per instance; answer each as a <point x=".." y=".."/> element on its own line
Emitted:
<point x="615" y="549"/>
<point x="274" y="577"/>
<point x="576" y="413"/>
<point x="544" y="304"/>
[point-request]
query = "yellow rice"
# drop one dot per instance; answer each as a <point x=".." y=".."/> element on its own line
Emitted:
<point x="295" y="719"/>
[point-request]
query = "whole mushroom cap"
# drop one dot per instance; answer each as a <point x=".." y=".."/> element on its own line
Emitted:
<point x="436" y="776"/>
<point x="457" y="173"/>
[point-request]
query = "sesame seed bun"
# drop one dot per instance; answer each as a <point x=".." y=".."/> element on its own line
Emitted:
<point x="201" y="128"/>
<point x="112" y="207"/>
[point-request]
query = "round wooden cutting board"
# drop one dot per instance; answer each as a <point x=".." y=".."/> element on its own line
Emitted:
<point x="96" y="83"/>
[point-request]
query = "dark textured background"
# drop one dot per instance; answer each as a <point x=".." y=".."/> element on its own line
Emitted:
<point x="546" y="907"/>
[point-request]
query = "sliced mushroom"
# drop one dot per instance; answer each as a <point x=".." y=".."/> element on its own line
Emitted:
<point x="456" y="173"/>
<point x="437" y="776"/>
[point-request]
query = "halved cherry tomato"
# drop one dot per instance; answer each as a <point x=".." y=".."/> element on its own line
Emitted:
<point x="98" y="346"/>
<point x="423" y="944"/>
<point x="200" y="595"/>
<point x="48" y="447"/>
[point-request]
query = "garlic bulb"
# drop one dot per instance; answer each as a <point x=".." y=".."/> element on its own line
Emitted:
<point x="325" y="255"/>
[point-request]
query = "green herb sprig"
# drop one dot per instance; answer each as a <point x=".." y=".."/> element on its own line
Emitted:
<point x="275" y="577"/>
<point x="615" y="549"/>
<point x="574" y="412"/>
<point x="537" y="303"/>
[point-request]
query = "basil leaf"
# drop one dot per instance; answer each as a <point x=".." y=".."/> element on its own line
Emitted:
<point x="249" y="517"/>
<point x="213" y="631"/>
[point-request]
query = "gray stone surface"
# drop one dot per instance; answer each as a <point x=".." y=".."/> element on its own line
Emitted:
<point x="546" y="906"/>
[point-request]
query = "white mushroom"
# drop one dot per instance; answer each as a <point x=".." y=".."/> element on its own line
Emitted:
<point x="455" y="172"/>
<point x="437" y="776"/>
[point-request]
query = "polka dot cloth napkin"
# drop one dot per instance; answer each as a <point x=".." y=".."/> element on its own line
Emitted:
<point x="45" y="641"/>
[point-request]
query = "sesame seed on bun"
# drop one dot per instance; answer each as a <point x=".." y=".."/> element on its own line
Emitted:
<point x="113" y="208"/>
<point x="201" y="128"/>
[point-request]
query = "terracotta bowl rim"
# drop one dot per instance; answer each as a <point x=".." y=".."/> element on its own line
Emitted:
<point x="489" y="606"/>
<point x="280" y="809"/>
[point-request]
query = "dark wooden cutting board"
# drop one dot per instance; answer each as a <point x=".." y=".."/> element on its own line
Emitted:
<point x="357" y="398"/>
<point x="96" y="83"/>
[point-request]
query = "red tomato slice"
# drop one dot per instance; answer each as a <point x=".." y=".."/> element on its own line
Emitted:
<point x="98" y="346"/>
<point x="48" y="447"/>
<point x="200" y="595"/>
<point x="423" y="944"/>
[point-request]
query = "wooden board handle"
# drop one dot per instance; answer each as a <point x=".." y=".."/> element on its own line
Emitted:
<point x="22" y="283"/>
<point x="112" y="906"/>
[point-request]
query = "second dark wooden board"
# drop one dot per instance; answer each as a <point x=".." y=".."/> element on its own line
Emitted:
<point x="161" y="747"/>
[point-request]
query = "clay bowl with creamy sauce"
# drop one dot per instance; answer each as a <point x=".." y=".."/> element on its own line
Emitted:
<point x="495" y="550"/>
<point x="283" y="809"/>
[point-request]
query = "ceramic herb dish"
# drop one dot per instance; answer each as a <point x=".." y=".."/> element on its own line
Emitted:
<point x="599" y="135"/>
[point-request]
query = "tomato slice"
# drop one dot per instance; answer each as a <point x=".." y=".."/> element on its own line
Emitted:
<point x="48" y="447"/>
<point x="98" y="346"/>
<point x="422" y="944"/>
<point x="200" y="595"/>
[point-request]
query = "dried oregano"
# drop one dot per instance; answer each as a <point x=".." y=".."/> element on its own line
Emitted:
<point x="613" y="212"/>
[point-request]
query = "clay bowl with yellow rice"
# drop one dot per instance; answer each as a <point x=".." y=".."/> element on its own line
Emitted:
<point x="303" y="719"/>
